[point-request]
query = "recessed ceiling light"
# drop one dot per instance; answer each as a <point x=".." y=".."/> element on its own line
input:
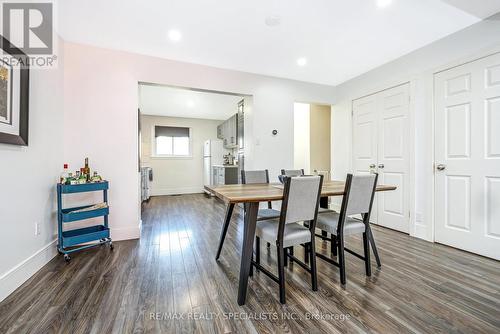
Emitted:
<point x="383" y="3"/>
<point x="174" y="35"/>
<point x="190" y="104"/>
<point x="301" y="61"/>
<point x="273" y="21"/>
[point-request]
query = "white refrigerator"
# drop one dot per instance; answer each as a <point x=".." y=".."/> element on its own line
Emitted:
<point x="213" y="152"/>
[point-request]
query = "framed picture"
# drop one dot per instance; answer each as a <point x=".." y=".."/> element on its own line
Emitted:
<point x="14" y="95"/>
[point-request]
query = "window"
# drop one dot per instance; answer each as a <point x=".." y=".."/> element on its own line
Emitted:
<point x="172" y="141"/>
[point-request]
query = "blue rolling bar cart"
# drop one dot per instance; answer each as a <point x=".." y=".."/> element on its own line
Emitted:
<point x="70" y="241"/>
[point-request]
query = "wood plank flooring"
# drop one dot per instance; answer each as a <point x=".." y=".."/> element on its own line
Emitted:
<point x="169" y="282"/>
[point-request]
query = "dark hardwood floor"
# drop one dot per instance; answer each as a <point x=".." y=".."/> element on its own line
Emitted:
<point x="169" y="282"/>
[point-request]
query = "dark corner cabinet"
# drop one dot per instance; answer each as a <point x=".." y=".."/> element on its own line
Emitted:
<point x="228" y="132"/>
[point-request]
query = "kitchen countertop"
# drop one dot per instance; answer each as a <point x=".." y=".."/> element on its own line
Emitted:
<point x="226" y="166"/>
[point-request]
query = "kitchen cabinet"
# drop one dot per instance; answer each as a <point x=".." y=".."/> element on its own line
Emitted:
<point x="220" y="132"/>
<point x="224" y="175"/>
<point x="228" y="132"/>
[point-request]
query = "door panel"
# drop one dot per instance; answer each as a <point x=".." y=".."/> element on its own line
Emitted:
<point x="467" y="150"/>
<point x="365" y="139"/>
<point x="393" y="158"/>
<point x="380" y="143"/>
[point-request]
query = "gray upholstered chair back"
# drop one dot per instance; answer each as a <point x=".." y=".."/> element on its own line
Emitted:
<point x="254" y="176"/>
<point x="302" y="199"/>
<point x="292" y="172"/>
<point x="360" y="194"/>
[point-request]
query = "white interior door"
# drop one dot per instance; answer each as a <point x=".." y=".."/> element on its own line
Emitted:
<point x="364" y="144"/>
<point x="467" y="156"/>
<point x="380" y="143"/>
<point x="393" y="157"/>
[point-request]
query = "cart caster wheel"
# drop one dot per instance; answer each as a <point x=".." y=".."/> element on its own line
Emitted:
<point x="111" y="246"/>
<point x="67" y="258"/>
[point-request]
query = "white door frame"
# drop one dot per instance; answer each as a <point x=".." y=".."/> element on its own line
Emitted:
<point x="411" y="144"/>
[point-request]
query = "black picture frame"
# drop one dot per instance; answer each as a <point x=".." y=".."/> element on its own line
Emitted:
<point x="22" y="138"/>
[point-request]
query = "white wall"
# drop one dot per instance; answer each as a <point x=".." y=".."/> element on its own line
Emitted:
<point x="302" y="137"/>
<point x="177" y="175"/>
<point x="417" y="68"/>
<point x="27" y="183"/>
<point x="101" y="116"/>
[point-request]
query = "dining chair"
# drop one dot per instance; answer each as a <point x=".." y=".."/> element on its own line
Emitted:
<point x="292" y="172"/>
<point x="249" y="177"/>
<point x="300" y="203"/>
<point x="323" y="205"/>
<point x="260" y="176"/>
<point x="358" y="199"/>
<point x="256" y="177"/>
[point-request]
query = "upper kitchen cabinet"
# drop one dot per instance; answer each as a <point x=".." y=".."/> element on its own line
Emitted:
<point x="220" y="132"/>
<point x="228" y="132"/>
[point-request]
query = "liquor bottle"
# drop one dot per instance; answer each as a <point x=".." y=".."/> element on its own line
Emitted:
<point x="82" y="178"/>
<point x="64" y="174"/>
<point x="86" y="170"/>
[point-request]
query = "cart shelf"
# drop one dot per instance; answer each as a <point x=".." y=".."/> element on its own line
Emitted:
<point x="86" y="234"/>
<point x="80" y="188"/>
<point x="69" y="216"/>
<point x="82" y="238"/>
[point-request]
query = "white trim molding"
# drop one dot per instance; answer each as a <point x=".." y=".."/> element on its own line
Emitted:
<point x="126" y="233"/>
<point x="16" y="276"/>
<point x="165" y="191"/>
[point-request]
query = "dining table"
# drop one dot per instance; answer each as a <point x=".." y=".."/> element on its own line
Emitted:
<point x="251" y="195"/>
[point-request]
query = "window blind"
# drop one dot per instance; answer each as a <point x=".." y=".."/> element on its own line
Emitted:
<point x="171" y="131"/>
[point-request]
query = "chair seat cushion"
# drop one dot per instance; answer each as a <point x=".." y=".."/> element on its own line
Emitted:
<point x="329" y="222"/>
<point x="294" y="234"/>
<point x="324" y="210"/>
<point x="264" y="214"/>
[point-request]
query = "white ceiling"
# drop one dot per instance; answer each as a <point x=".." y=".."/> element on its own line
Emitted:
<point x="341" y="39"/>
<point x="175" y="102"/>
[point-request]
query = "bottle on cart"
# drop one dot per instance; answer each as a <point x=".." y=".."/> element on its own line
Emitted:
<point x="73" y="179"/>
<point x="86" y="170"/>
<point x="69" y="179"/>
<point x="64" y="174"/>
<point x="82" y="178"/>
<point x="96" y="177"/>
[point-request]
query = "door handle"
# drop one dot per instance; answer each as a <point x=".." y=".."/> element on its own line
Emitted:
<point x="381" y="166"/>
<point x="441" y="167"/>
<point x="373" y="166"/>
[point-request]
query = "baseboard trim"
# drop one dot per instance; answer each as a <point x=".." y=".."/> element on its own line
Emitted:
<point x="421" y="231"/>
<point x="126" y="233"/>
<point x="176" y="191"/>
<point x="16" y="276"/>
<point x="334" y="206"/>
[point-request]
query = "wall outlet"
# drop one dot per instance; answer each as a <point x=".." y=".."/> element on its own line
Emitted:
<point x="37" y="228"/>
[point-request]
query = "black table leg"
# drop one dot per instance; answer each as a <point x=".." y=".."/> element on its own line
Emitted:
<point x="247" y="250"/>
<point x="227" y="219"/>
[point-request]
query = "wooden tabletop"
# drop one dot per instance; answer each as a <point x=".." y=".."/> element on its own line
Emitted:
<point x="246" y="193"/>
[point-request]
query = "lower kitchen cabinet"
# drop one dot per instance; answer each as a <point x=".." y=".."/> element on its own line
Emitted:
<point x="224" y="175"/>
